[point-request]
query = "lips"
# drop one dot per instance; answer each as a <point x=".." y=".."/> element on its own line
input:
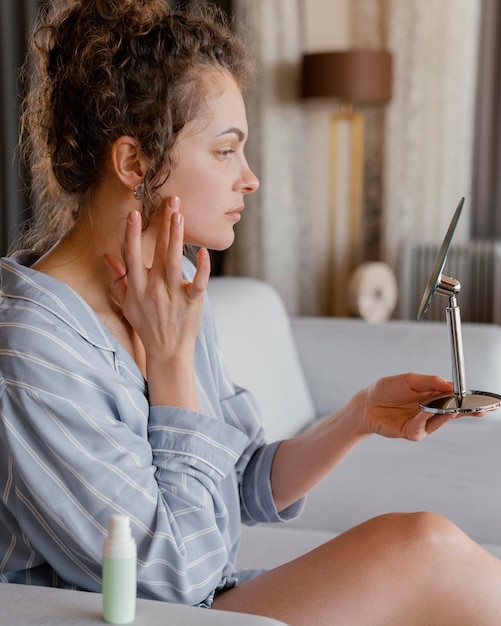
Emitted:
<point x="235" y="214"/>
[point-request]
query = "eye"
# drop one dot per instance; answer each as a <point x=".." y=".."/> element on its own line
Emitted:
<point x="224" y="153"/>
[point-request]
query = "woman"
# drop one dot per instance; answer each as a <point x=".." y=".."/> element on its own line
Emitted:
<point x="113" y="396"/>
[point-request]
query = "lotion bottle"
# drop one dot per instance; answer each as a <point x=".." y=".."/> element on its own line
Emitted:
<point x="119" y="572"/>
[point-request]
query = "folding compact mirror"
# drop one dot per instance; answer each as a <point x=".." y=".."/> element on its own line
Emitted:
<point x="462" y="401"/>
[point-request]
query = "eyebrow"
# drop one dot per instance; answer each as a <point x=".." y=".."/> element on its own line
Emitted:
<point x="233" y="130"/>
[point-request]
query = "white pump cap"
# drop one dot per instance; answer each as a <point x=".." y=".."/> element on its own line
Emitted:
<point x="119" y="543"/>
<point x="119" y="529"/>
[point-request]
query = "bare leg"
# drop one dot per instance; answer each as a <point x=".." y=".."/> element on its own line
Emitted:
<point x="402" y="568"/>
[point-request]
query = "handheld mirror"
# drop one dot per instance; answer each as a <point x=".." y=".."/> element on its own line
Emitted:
<point x="461" y="401"/>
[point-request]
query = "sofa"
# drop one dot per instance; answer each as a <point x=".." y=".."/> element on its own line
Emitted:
<point x="301" y="369"/>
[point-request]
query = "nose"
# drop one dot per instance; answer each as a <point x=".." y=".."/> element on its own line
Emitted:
<point x="250" y="182"/>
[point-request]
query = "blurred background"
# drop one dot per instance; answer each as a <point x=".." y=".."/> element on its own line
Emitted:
<point x="349" y="186"/>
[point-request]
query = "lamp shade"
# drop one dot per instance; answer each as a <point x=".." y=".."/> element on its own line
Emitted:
<point x="354" y="75"/>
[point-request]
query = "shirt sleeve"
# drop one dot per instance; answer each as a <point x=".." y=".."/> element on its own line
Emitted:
<point x="240" y="409"/>
<point x="70" y="461"/>
<point x="254" y="466"/>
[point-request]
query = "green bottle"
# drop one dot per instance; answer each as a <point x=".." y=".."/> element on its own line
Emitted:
<point x="119" y="572"/>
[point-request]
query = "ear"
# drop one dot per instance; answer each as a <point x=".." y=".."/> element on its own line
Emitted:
<point x="128" y="161"/>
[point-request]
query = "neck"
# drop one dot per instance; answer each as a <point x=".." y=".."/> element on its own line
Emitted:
<point x="77" y="259"/>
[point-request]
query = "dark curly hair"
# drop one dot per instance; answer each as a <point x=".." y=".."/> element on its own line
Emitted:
<point x="100" y="69"/>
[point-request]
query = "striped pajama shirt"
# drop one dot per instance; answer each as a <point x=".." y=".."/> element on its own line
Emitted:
<point x="79" y="442"/>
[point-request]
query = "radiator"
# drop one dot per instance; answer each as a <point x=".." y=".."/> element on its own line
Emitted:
<point x="475" y="264"/>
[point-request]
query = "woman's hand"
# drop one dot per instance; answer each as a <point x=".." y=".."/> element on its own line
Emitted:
<point x="162" y="307"/>
<point x="390" y="406"/>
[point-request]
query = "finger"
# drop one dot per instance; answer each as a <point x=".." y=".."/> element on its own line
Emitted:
<point x="176" y="247"/>
<point x="162" y="238"/>
<point x="118" y="285"/>
<point x="169" y="242"/>
<point x="202" y="275"/>
<point x="426" y="383"/>
<point x="437" y="421"/>
<point x="116" y="266"/>
<point x="133" y="254"/>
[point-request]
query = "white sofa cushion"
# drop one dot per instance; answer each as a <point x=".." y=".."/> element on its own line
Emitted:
<point x="256" y="340"/>
<point x="340" y="356"/>
<point x="270" y="545"/>
<point x="456" y="472"/>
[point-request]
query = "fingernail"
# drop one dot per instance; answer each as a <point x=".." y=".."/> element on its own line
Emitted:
<point x="176" y="218"/>
<point x="133" y="216"/>
<point x="174" y="203"/>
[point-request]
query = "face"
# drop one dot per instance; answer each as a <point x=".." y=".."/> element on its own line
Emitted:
<point x="210" y="173"/>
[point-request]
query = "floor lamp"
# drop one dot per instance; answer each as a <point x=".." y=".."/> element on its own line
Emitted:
<point x="352" y="77"/>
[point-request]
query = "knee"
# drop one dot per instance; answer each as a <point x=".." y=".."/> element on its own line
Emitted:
<point x="427" y="534"/>
<point x="432" y="527"/>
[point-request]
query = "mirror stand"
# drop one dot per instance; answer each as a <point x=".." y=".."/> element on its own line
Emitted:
<point x="462" y="401"/>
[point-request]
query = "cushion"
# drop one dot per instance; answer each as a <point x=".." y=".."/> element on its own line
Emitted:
<point x="251" y="320"/>
<point x="455" y="472"/>
<point x="268" y="546"/>
<point x="341" y="356"/>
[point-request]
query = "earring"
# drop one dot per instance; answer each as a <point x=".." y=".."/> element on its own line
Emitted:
<point x="138" y="191"/>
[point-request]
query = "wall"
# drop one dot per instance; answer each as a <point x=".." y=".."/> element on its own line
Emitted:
<point x="327" y="24"/>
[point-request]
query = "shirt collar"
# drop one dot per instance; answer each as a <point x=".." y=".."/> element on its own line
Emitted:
<point x="23" y="283"/>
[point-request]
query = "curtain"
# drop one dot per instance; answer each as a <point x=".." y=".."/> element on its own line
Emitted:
<point x="486" y="217"/>
<point x="15" y="21"/>
<point x="429" y="125"/>
<point x="430" y="129"/>
<point x="369" y="31"/>
<point x="273" y="241"/>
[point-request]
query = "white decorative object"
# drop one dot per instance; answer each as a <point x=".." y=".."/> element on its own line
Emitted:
<point x="373" y="291"/>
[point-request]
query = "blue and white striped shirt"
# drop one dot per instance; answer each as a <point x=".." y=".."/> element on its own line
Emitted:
<point x="79" y="442"/>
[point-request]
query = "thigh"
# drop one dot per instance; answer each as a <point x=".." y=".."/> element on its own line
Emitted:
<point x="376" y="573"/>
<point x="325" y="586"/>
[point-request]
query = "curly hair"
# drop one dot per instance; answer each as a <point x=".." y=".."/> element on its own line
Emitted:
<point x="100" y="69"/>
